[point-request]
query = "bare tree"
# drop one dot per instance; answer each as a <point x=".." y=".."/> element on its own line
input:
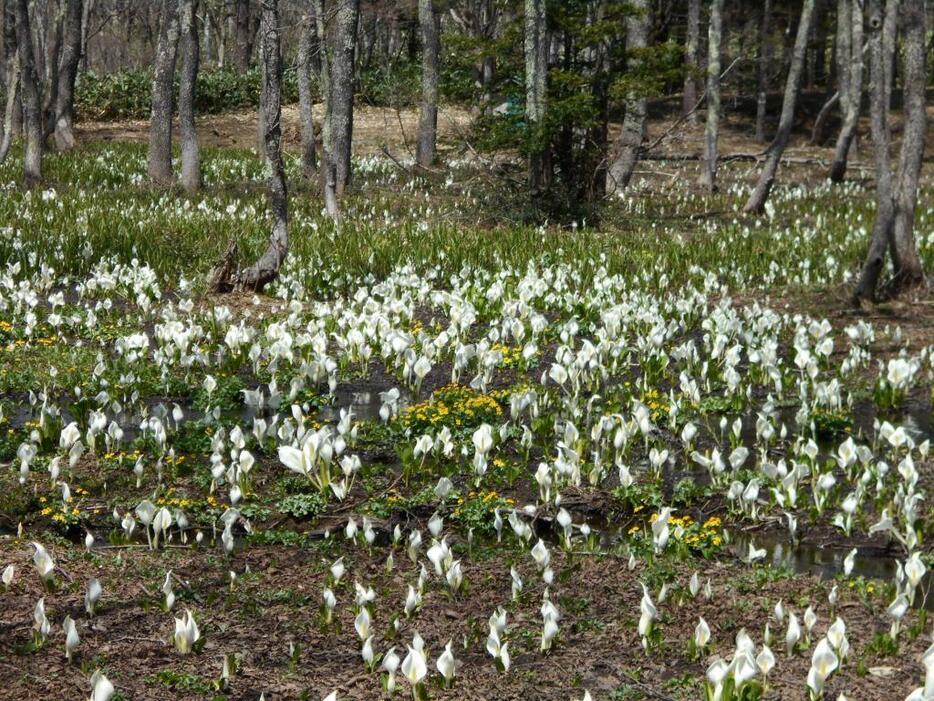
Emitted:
<point x="64" y="107"/>
<point x="630" y="140"/>
<point x="341" y="103"/>
<point x="908" y="270"/>
<point x="266" y="269"/>
<point x="762" y="69"/>
<point x="692" y="39"/>
<point x="708" y="174"/>
<point x="32" y="115"/>
<point x="11" y="61"/>
<point x="160" y="125"/>
<point x="760" y="194"/>
<point x="241" y="50"/>
<point x="536" y="81"/>
<point x="878" y="119"/>
<point x="849" y="79"/>
<point x="429" y="20"/>
<point x="890" y="30"/>
<point x="306" y="48"/>
<point x="191" y="156"/>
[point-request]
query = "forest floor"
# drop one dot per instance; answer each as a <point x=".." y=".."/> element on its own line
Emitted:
<point x="261" y="602"/>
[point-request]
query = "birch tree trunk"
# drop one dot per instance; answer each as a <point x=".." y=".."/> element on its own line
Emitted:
<point x="341" y="86"/>
<point x="850" y="79"/>
<point x="708" y="174"/>
<point x="306" y="47"/>
<point x="160" y="125"/>
<point x="908" y="271"/>
<point x="191" y="157"/>
<point x="67" y="73"/>
<point x="266" y="269"/>
<point x="32" y="114"/>
<point x="536" y="82"/>
<point x="630" y="140"/>
<point x="429" y="21"/>
<point x="692" y="38"/>
<point x="760" y="195"/>
<point x="878" y="113"/>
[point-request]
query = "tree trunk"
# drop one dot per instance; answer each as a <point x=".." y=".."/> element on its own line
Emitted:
<point x="850" y="77"/>
<point x="12" y="100"/>
<point x="878" y="114"/>
<point x="191" y="157"/>
<point x="630" y="140"/>
<point x="708" y="174"/>
<point x="763" y="60"/>
<point x="52" y="49"/>
<point x="32" y="114"/>
<point x="11" y="61"/>
<point x="242" y="49"/>
<point x="324" y="53"/>
<point x="160" y="125"/>
<point x="305" y="102"/>
<point x="689" y="98"/>
<point x="266" y="269"/>
<point x="889" y="34"/>
<point x="908" y="271"/>
<point x="759" y="196"/>
<point x="429" y="20"/>
<point x="343" y="48"/>
<point x="67" y="73"/>
<point x="85" y="26"/>
<point x="536" y="83"/>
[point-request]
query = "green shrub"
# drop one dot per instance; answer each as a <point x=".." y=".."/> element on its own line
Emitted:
<point x="128" y="94"/>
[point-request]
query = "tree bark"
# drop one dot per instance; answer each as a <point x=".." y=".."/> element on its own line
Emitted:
<point x="242" y="49"/>
<point x="266" y="269"/>
<point x="306" y="47"/>
<point x="536" y="83"/>
<point x="32" y="114"/>
<point x="160" y="125"/>
<point x="760" y="195"/>
<point x="11" y="65"/>
<point x="689" y="97"/>
<point x="51" y="52"/>
<point x="429" y="20"/>
<point x="878" y="114"/>
<point x="67" y="73"/>
<point x="324" y="53"/>
<point x="341" y="83"/>
<point x="850" y="78"/>
<point x="708" y="174"/>
<point x="12" y="100"/>
<point x="763" y="59"/>
<point x="630" y="140"/>
<point x="191" y="156"/>
<point x="908" y="270"/>
<point x="889" y="34"/>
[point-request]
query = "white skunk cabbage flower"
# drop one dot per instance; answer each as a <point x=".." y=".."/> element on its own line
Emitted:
<point x="445" y="665"/>
<point x="72" y="640"/>
<point x="101" y="688"/>
<point x="186" y="633"/>
<point x="43" y="562"/>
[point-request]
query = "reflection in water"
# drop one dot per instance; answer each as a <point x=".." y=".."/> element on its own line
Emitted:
<point x="827" y="562"/>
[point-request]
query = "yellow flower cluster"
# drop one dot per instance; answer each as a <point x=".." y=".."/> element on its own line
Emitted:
<point x="512" y="356"/>
<point x="453" y="406"/>
<point x="656" y="402"/>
